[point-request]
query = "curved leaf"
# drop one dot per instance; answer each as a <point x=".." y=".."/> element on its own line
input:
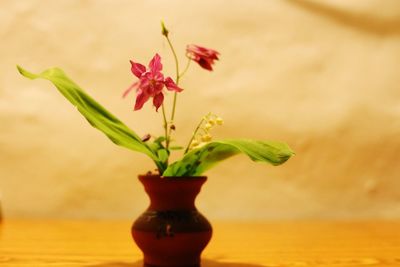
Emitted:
<point x="201" y="159"/>
<point x="94" y="113"/>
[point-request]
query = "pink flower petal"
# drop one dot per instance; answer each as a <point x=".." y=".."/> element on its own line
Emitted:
<point x="203" y="56"/>
<point x="141" y="98"/>
<point x="202" y="51"/>
<point x="151" y="83"/>
<point x="171" y="85"/>
<point x="130" y="88"/>
<point x="158" y="99"/>
<point x="205" y="64"/>
<point x="155" y="64"/>
<point x="158" y="77"/>
<point x="158" y="87"/>
<point x="137" y="69"/>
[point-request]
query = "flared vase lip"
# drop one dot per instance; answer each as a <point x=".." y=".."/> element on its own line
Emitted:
<point x="171" y="178"/>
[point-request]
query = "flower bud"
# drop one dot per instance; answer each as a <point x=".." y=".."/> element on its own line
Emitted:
<point x="164" y="30"/>
<point x="207" y="126"/>
<point x="146" y="137"/>
<point x="219" y="121"/>
<point x="194" y="143"/>
<point x="206" y="138"/>
<point x="211" y="121"/>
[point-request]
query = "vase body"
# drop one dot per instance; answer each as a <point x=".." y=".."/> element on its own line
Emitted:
<point x="171" y="232"/>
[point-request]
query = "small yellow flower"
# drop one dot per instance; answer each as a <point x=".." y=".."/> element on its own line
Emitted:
<point x="219" y="121"/>
<point x="207" y="126"/>
<point x="211" y="121"/>
<point x="194" y="143"/>
<point x="206" y="138"/>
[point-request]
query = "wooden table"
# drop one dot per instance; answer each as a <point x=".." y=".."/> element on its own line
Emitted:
<point x="108" y="244"/>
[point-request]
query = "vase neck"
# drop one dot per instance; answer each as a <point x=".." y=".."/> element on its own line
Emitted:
<point x="172" y="193"/>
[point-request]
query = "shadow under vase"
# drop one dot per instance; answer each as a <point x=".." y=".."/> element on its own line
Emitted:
<point x="204" y="263"/>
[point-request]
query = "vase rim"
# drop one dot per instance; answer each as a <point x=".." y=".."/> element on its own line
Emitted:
<point x="171" y="178"/>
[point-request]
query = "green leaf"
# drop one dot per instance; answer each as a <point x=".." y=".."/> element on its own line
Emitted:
<point x="159" y="139"/>
<point x="201" y="159"/>
<point x="94" y="113"/>
<point x="154" y="147"/>
<point x="163" y="155"/>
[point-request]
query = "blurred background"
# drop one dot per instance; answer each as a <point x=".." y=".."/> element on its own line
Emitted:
<point x="323" y="76"/>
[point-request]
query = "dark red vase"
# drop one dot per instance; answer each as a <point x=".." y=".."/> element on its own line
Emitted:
<point x="171" y="232"/>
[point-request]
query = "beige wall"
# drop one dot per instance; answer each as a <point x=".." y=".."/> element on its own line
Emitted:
<point x="322" y="75"/>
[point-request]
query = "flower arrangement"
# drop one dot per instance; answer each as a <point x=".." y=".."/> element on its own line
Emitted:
<point x="201" y="152"/>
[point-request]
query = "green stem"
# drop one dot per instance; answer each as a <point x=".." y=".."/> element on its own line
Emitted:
<point x="176" y="59"/>
<point x="165" y="127"/>
<point x="177" y="77"/>
<point x="174" y="106"/>
<point x="186" y="68"/>
<point x="161" y="168"/>
<point x="175" y="94"/>
<point x="194" y="134"/>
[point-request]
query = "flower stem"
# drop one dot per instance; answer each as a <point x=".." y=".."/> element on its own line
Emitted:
<point x="174" y="106"/>
<point x="177" y="76"/>
<point x="169" y="131"/>
<point x="165" y="127"/>
<point x="186" y="68"/>
<point x="175" y="58"/>
<point x="194" y="134"/>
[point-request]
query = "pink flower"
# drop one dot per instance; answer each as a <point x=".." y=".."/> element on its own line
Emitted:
<point x="151" y="83"/>
<point x="203" y="56"/>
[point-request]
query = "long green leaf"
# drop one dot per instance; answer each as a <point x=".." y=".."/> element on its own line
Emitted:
<point x="199" y="160"/>
<point x="95" y="114"/>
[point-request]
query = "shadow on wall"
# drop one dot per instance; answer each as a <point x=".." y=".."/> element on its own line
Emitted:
<point x="359" y="21"/>
<point x="204" y="263"/>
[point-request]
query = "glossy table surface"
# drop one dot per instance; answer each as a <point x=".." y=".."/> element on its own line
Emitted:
<point x="245" y="244"/>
